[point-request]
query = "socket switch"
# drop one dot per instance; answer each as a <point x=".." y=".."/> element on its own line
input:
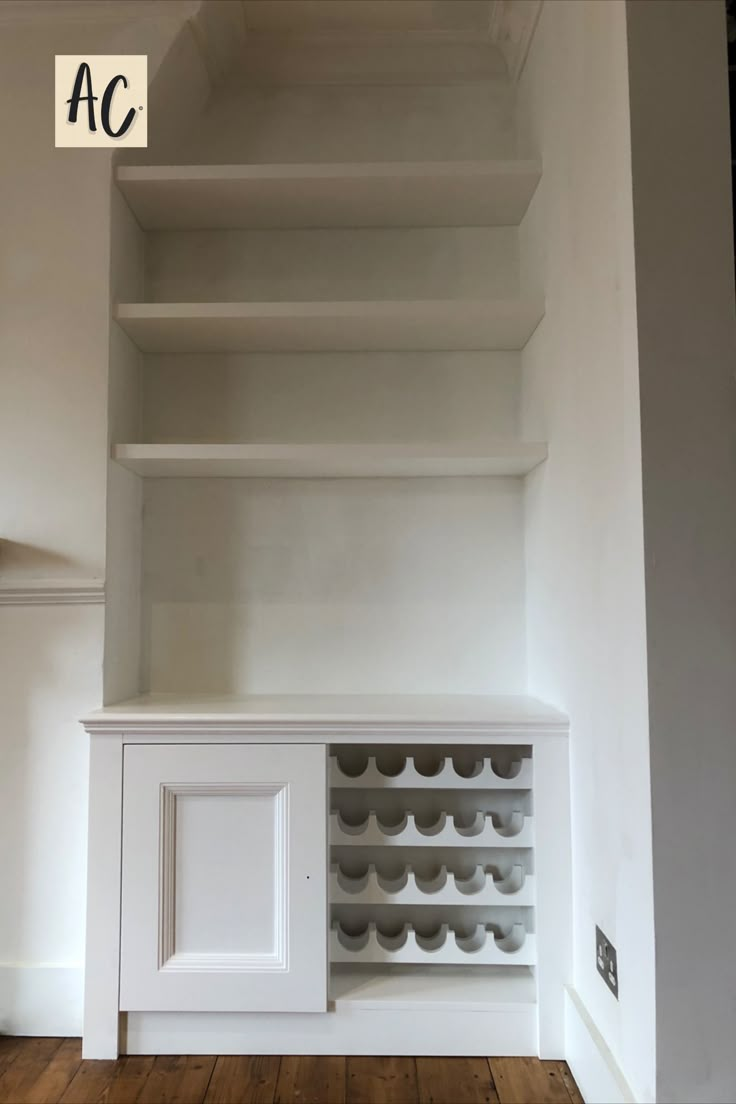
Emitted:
<point x="606" y="961"/>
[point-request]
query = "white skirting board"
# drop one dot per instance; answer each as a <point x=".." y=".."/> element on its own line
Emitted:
<point x="505" y="1032"/>
<point x="41" y="1000"/>
<point x="596" y="1071"/>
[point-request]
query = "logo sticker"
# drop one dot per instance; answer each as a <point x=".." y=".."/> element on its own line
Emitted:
<point x="101" y="100"/>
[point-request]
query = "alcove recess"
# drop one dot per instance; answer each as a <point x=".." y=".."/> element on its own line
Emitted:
<point x="360" y="387"/>
<point x="316" y="479"/>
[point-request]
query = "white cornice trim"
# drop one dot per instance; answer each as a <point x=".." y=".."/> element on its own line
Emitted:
<point x="511" y="28"/>
<point x="52" y="592"/>
<point x="96" y="11"/>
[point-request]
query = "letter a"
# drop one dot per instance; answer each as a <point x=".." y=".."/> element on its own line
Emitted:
<point x="76" y="96"/>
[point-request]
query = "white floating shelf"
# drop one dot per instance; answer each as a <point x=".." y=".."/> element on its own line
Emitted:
<point x="444" y="832"/>
<point x="445" y="777"/>
<point x="425" y="193"/>
<point x="445" y="946"/>
<point x="445" y="889"/>
<point x="505" y="458"/>
<point x="389" y="325"/>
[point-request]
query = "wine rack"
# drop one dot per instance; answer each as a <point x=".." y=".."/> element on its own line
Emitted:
<point x="432" y="857"/>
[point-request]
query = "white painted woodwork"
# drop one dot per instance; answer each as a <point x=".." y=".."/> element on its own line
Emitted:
<point x="375" y="718"/>
<point x="444" y="947"/>
<point x="493" y="922"/>
<point x="443" y="774"/>
<point x="102" y="948"/>
<point x="414" y="989"/>
<point x="596" y="1071"/>
<point x="409" y="888"/>
<point x="378" y="325"/>
<point x="51" y="592"/>
<point x="509" y="1026"/>
<point x="434" y="193"/>
<point x="328" y="461"/>
<point x="553" y="913"/>
<point x="123" y="597"/>
<point x="329" y="259"/>
<point x="223" y="879"/>
<point x="480" y="831"/>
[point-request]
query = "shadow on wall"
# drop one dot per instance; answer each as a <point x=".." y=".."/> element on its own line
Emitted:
<point x="29" y="561"/>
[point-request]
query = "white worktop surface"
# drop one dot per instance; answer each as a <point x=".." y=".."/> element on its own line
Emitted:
<point x="334" y="716"/>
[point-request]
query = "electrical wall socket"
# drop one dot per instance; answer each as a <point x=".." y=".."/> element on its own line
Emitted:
<point x="605" y="958"/>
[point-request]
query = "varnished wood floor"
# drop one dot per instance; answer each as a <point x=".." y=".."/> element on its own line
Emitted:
<point x="51" y="1071"/>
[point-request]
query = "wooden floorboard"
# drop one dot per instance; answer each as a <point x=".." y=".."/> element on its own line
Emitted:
<point x="528" y="1081"/>
<point x="29" y="1062"/>
<point x="51" y="1071"/>
<point x="576" y="1097"/>
<point x="312" y="1079"/>
<point x="382" y="1081"/>
<point x="236" y="1079"/>
<point x="177" y="1080"/>
<point x="455" y="1081"/>
<point x="10" y="1047"/>
<point x="118" y="1082"/>
<point x="54" y="1079"/>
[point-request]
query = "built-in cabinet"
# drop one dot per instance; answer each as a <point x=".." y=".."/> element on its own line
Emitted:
<point x="324" y="815"/>
<point x="352" y="860"/>
<point x="227" y="912"/>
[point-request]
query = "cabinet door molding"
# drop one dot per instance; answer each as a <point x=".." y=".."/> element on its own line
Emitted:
<point x="224" y="878"/>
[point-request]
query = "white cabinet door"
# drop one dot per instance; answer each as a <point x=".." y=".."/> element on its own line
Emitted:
<point x="224" y="897"/>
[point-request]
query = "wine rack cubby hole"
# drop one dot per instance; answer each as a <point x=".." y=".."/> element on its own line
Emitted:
<point x="432" y="856"/>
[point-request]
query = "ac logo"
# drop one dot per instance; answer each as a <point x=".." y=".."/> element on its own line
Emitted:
<point x="101" y="100"/>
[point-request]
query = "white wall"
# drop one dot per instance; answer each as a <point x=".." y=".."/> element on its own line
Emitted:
<point x="54" y="334"/>
<point x="363" y="123"/>
<point x="334" y="586"/>
<point x="687" y="355"/>
<point x="374" y="263"/>
<point x="585" y="561"/>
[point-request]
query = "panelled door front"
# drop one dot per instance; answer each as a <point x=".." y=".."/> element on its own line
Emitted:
<point x="224" y="900"/>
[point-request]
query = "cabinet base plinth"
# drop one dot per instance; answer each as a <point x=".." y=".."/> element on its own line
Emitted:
<point x="469" y="1033"/>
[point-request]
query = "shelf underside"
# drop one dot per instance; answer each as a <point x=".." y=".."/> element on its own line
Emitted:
<point x="390" y="325"/>
<point x="383" y="194"/>
<point x="329" y="461"/>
